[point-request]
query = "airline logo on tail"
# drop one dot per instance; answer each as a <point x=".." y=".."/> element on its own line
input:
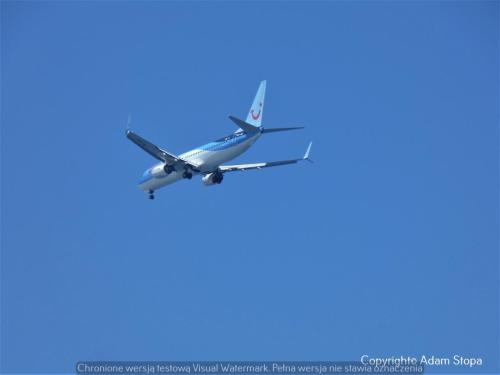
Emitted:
<point x="256" y="116"/>
<point x="257" y="109"/>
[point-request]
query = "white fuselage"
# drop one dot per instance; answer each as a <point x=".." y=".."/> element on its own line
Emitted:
<point x="206" y="158"/>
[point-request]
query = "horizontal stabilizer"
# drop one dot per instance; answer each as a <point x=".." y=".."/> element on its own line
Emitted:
<point x="274" y="130"/>
<point x="245" y="126"/>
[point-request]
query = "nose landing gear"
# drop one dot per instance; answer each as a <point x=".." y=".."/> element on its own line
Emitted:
<point x="151" y="194"/>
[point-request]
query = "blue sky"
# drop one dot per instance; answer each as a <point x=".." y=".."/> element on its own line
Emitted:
<point x="387" y="245"/>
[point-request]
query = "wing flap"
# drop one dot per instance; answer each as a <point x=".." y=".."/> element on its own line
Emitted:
<point x="151" y="149"/>
<point x="157" y="152"/>
<point x="246" y="167"/>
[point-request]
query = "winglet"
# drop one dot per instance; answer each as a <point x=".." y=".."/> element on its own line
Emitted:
<point x="129" y="122"/>
<point x="306" y="155"/>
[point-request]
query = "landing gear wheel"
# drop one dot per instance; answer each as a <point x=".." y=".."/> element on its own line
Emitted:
<point x="151" y="194"/>
<point x="187" y="175"/>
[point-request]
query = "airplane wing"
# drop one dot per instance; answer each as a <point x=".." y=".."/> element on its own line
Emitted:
<point x="246" y="167"/>
<point x="155" y="151"/>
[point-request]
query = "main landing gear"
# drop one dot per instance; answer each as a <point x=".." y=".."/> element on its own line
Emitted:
<point x="187" y="175"/>
<point x="151" y="194"/>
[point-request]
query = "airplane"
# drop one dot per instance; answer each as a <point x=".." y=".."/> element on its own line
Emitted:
<point x="208" y="160"/>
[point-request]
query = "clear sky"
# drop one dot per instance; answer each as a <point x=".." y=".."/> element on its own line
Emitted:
<point x="386" y="245"/>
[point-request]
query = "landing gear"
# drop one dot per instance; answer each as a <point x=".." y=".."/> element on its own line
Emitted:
<point x="187" y="175"/>
<point x="168" y="168"/>
<point x="151" y="194"/>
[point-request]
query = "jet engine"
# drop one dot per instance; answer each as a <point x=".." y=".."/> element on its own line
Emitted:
<point x="213" y="178"/>
<point x="158" y="171"/>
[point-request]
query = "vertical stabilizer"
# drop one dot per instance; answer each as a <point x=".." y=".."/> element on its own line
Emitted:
<point x="257" y="109"/>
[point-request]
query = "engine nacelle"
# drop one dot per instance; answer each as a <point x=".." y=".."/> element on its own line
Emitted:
<point x="212" y="178"/>
<point x="158" y="171"/>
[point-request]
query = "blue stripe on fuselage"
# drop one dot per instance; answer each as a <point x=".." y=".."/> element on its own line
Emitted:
<point x="225" y="143"/>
